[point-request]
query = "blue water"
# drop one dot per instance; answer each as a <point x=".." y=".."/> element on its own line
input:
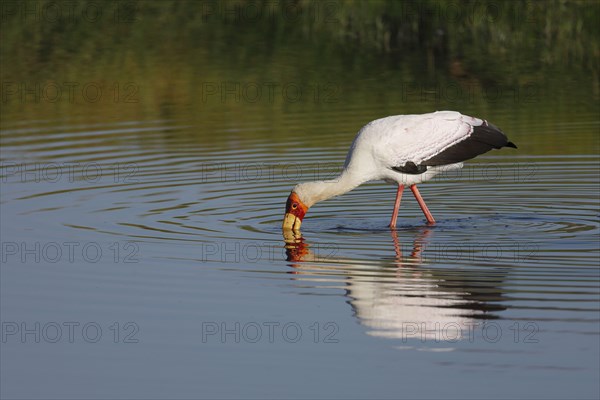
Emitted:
<point x="136" y="270"/>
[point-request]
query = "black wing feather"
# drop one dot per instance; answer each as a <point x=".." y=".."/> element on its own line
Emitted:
<point x="483" y="139"/>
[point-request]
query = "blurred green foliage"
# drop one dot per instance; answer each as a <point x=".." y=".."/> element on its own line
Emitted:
<point x="518" y="62"/>
<point x="481" y="33"/>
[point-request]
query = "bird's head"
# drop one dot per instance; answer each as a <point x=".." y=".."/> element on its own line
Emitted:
<point x="295" y="209"/>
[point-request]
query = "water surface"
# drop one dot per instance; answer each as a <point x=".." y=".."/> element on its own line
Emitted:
<point x="143" y="238"/>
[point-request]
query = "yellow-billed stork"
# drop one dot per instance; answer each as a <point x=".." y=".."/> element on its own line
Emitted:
<point x="401" y="149"/>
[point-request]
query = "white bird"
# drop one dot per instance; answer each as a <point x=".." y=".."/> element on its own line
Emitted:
<point x="401" y="149"/>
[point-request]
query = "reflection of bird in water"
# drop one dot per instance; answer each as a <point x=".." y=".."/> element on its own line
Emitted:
<point x="401" y="149"/>
<point x="404" y="298"/>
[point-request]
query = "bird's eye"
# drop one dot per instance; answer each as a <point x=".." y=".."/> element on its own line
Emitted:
<point x="294" y="205"/>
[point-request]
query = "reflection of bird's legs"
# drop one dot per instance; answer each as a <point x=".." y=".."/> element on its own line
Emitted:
<point x="419" y="245"/>
<point x="397" y="248"/>
<point x="396" y="206"/>
<point x="422" y="204"/>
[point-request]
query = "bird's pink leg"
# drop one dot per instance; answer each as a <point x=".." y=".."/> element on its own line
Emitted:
<point x="396" y="206"/>
<point x="422" y="204"/>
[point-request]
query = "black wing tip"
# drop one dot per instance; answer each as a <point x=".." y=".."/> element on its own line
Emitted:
<point x="486" y="127"/>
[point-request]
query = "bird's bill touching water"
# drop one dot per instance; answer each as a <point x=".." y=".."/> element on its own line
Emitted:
<point x="291" y="222"/>
<point x="294" y="213"/>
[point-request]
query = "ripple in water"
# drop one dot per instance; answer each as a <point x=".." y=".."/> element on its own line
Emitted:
<point x="516" y="239"/>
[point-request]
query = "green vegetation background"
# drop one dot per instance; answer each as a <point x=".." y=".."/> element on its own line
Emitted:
<point x="368" y="49"/>
<point x="481" y="32"/>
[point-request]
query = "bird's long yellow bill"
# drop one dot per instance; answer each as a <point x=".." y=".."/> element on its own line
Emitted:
<point x="291" y="222"/>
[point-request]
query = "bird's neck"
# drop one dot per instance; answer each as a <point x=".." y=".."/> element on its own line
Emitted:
<point x="314" y="192"/>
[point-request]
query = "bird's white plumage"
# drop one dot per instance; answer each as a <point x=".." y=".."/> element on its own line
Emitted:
<point x="391" y="142"/>
<point x="395" y="140"/>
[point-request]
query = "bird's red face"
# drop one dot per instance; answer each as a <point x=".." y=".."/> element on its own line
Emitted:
<point x="294" y="213"/>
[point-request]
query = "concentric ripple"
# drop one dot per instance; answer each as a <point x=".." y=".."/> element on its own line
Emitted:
<point x="516" y="238"/>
